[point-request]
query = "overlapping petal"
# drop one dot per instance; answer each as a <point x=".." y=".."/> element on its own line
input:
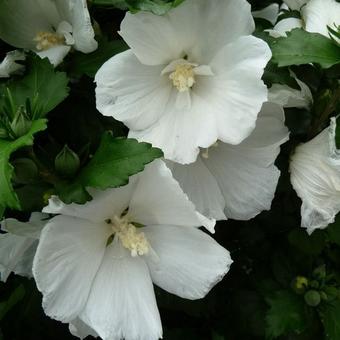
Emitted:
<point x="122" y="303"/>
<point x="67" y="259"/>
<point x="187" y="262"/>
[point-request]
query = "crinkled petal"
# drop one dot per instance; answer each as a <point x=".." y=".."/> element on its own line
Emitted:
<point x="236" y="92"/>
<point x="315" y="176"/>
<point x="246" y="173"/>
<point x="104" y="205"/>
<point x="30" y="229"/>
<point x="200" y="185"/>
<point x="158" y="199"/>
<point x="16" y="255"/>
<point x="55" y="54"/>
<point x="269" y="13"/>
<point x="9" y="66"/>
<point x="69" y="254"/>
<point x="122" y="302"/>
<point x="132" y="92"/>
<point x="318" y="14"/>
<point x="21" y="20"/>
<point x="81" y="330"/>
<point x="186" y="261"/>
<point x="157" y="40"/>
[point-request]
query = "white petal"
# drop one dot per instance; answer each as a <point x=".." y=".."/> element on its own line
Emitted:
<point x="122" y="302"/>
<point x="16" y="255"/>
<point x="67" y="259"/>
<point x="132" y="92"/>
<point x="77" y="14"/>
<point x="315" y="176"/>
<point x="55" y="54"/>
<point x="180" y="133"/>
<point x="212" y="25"/>
<point x="284" y="26"/>
<point x="188" y="262"/>
<point x="161" y="39"/>
<point x="246" y="173"/>
<point x="9" y="65"/>
<point x="295" y="4"/>
<point x="81" y="330"/>
<point x="158" y="199"/>
<point x="21" y="20"/>
<point x="104" y="205"/>
<point x="200" y="185"/>
<point x="30" y="229"/>
<point x="269" y="13"/>
<point x="236" y="92"/>
<point x="288" y="97"/>
<point x="318" y="14"/>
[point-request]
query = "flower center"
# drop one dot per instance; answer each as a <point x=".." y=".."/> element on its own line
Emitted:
<point x="130" y="237"/>
<point x="205" y="152"/>
<point x="46" y="40"/>
<point x="183" y="77"/>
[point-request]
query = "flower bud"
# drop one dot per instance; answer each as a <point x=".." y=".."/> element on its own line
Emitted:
<point x="312" y="298"/>
<point x="20" y="124"/>
<point x="67" y="162"/>
<point x="320" y="272"/>
<point x="299" y="284"/>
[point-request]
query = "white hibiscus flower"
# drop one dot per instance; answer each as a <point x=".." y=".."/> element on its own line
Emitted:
<point x="191" y="77"/>
<point x="315" y="176"/>
<point x="18" y="245"/>
<point x="237" y="181"/>
<point x="9" y="65"/>
<point x="95" y="263"/>
<point x="48" y="27"/>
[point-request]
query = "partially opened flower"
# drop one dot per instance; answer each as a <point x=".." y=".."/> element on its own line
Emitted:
<point x="18" y="245"/>
<point x="95" y="263"/>
<point x="9" y="65"/>
<point x="315" y="176"/>
<point x="287" y="96"/>
<point x="191" y="77"/>
<point x="48" y="27"/>
<point x="237" y="181"/>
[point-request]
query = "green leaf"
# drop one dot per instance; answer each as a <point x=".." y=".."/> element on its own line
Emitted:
<point x="330" y="317"/>
<point x="115" y="160"/>
<point x="17" y="295"/>
<point x="286" y="314"/>
<point x="8" y="198"/>
<point x="158" y="7"/>
<point x="44" y="86"/>
<point x="302" y="47"/>
<point x="309" y="244"/>
<point x="90" y="63"/>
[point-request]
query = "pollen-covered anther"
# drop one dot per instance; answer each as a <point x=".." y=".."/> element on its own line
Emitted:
<point x="183" y="78"/>
<point x="46" y="40"/>
<point x="130" y="237"/>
